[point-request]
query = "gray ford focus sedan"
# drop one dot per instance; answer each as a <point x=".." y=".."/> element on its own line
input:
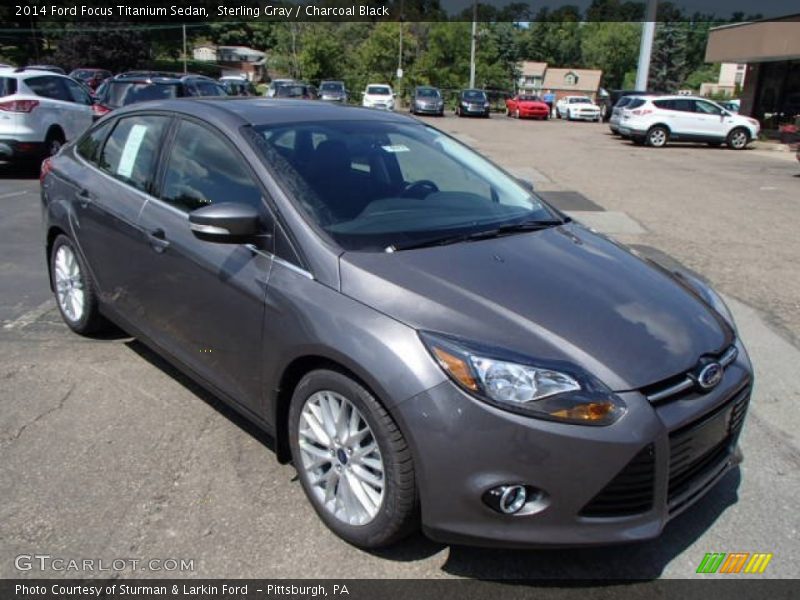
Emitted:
<point x="428" y="342"/>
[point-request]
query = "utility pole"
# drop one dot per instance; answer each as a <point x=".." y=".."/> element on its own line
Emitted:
<point x="399" y="90"/>
<point x="646" y="45"/>
<point x="184" y="49"/>
<point x="472" y="44"/>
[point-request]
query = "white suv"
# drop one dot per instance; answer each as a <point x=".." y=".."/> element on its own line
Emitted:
<point x="656" y="120"/>
<point x="39" y="112"/>
<point x="577" y="107"/>
<point x="378" y="95"/>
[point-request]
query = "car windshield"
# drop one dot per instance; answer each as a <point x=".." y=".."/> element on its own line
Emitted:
<point x="427" y="93"/>
<point x="121" y="93"/>
<point x="530" y="98"/>
<point x="373" y="185"/>
<point x="378" y="90"/>
<point x="474" y="95"/>
<point x="580" y="100"/>
<point x="330" y="86"/>
<point x="290" y="91"/>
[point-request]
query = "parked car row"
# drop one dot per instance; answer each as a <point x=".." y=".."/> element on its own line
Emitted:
<point x="657" y="120"/>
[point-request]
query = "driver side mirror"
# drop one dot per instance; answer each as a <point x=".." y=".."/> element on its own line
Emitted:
<point x="226" y="223"/>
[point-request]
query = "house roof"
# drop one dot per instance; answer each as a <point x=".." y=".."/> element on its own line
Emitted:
<point x="587" y="80"/>
<point x="529" y="68"/>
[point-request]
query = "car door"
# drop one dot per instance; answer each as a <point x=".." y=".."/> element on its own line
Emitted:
<point x="53" y="98"/>
<point x="80" y="108"/>
<point x="204" y="300"/>
<point x="108" y="197"/>
<point x="711" y="120"/>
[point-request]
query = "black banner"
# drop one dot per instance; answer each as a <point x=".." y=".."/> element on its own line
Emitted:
<point x="729" y="587"/>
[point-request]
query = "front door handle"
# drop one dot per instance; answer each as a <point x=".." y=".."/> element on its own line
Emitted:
<point x="158" y="240"/>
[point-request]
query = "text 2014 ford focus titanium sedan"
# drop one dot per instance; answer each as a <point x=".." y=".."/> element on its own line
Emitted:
<point x="427" y="340"/>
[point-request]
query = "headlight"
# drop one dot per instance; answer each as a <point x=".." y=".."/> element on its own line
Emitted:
<point x="487" y="105"/>
<point x="541" y="391"/>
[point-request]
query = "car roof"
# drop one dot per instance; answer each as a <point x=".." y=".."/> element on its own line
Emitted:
<point x="237" y="111"/>
<point x="158" y="76"/>
<point x="29" y="72"/>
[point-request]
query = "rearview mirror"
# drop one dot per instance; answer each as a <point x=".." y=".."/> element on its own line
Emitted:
<point x="226" y="223"/>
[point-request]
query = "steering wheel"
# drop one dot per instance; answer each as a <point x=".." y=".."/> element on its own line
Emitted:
<point x="419" y="189"/>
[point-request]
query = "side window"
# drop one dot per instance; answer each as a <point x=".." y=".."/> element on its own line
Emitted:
<point x="77" y="93"/>
<point x="131" y="151"/>
<point x="706" y="108"/>
<point x="48" y="86"/>
<point x="204" y="169"/>
<point x="90" y="144"/>
<point x="683" y="105"/>
<point x="665" y="104"/>
<point x="209" y="88"/>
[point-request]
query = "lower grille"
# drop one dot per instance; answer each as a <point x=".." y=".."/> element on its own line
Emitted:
<point x="700" y="450"/>
<point x="630" y="492"/>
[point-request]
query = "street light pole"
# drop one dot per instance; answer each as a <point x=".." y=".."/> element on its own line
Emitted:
<point x="184" y="49"/>
<point x="472" y="44"/>
<point x="646" y="45"/>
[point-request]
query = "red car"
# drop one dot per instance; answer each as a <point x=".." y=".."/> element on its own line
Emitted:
<point x="91" y="77"/>
<point x="527" y="106"/>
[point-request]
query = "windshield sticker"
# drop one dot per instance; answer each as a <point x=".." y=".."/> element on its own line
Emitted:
<point x="396" y="148"/>
<point x="131" y="150"/>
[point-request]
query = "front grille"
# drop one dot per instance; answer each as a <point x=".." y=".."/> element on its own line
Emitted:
<point x="630" y="492"/>
<point x="682" y="384"/>
<point x="700" y="450"/>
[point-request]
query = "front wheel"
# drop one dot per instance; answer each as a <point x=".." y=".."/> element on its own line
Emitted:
<point x="75" y="294"/>
<point x="353" y="461"/>
<point x="738" y="139"/>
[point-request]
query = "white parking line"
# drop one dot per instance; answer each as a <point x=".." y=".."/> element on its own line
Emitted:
<point x="31" y="316"/>
<point x="13" y="194"/>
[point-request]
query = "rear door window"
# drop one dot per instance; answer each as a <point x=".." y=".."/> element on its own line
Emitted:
<point x="131" y="152"/>
<point x="205" y="169"/>
<point x="665" y="104"/>
<point x="8" y="86"/>
<point x="49" y="86"/>
<point x="77" y="93"/>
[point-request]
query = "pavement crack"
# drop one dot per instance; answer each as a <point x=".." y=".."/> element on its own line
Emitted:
<point x="62" y="401"/>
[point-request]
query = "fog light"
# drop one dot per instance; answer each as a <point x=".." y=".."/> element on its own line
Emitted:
<point x="506" y="499"/>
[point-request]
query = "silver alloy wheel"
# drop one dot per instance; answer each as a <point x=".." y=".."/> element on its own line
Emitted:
<point x="341" y="458"/>
<point x="738" y="139"/>
<point x="657" y="138"/>
<point x="69" y="284"/>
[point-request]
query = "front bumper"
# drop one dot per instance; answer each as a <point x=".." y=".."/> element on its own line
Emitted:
<point x="534" y="113"/>
<point x="470" y="111"/>
<point x="428" y="109"/>
<point x="20" y="150"/>
<point x="463" y="447"/>
<point x="586" y="116"/>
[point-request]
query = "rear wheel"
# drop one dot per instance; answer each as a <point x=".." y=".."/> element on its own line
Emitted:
<point x="353" y="461"/>
<point x="657" y="136"/>
<point x="738" y="139"/>
<point x="53" y="143"/>
<point x="75" y="294"/>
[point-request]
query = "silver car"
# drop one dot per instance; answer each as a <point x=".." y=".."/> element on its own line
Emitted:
<point x="429" y="342"/>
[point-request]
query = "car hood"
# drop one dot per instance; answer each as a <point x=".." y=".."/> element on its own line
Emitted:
<point x="532" y="103"/>
<point x="562" y="293"/>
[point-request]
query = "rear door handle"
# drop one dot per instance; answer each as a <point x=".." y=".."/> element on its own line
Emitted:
<point x="158" y="240"/>
<point x="84" y="197"/>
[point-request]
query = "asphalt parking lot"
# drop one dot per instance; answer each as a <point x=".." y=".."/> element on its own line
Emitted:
<point x="107" y="452"/>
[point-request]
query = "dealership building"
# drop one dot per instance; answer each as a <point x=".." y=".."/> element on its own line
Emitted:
<point x="771" y="50"/>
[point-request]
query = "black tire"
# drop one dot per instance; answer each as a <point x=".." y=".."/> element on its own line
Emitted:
<point x="738" y="139"/>
<point x="53" y="142"/>
<point x="90" y="321"/>
<point x="657" y="136"/>
<point x="398" y="514"/>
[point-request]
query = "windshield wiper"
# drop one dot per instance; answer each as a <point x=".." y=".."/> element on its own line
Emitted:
<point x="510" y="229"/>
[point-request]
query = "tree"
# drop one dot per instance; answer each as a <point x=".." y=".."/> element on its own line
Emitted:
<point x="554" y="38"/>
<point x="116" y="47"/>
<point x="610" y="46"/>
<point x="322" y="54"/>
<point x="668" y="65"/>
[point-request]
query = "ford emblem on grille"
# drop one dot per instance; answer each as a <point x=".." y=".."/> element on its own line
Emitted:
<point x="708" y="375"/>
